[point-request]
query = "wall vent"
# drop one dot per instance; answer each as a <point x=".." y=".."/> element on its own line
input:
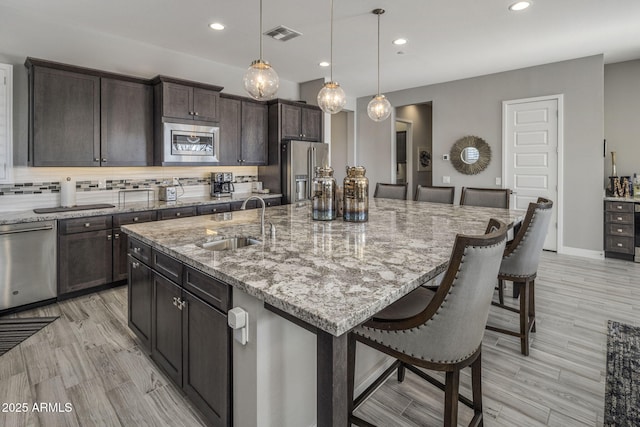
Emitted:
<point x="282" y="33"/>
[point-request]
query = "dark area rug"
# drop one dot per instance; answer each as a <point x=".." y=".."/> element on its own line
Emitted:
<point x="622" y="395"/>
<point x="14" y="331"/>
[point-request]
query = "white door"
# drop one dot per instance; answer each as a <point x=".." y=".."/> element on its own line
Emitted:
<point x="530" y="155"/>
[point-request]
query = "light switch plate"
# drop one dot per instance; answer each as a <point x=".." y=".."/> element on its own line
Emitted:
<point x="446" y="180"/>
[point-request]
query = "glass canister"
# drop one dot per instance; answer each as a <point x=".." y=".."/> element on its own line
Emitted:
<point x="323" y="189"/>
<point x="356" y="195"/>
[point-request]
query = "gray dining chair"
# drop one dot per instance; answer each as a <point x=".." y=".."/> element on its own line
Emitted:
<point x="520" y="266"/>
<point x="487" y="197"/>
<point x="391" y="191"/>
<point x="426" y="193"/>
<point x="438" y="330"/>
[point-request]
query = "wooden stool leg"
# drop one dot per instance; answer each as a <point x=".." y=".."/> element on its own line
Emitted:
<point x="524" y="318"/>
<point x="401" y="371"/>
<point x="476" y="388"/>
<point x="532" y="305"/>
<point x="351" y="370"/>
<point x="451" y="386"/>
<point x="501" y="291"/>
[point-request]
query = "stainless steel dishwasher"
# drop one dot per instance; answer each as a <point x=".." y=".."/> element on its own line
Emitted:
<point x="27" y="263"/>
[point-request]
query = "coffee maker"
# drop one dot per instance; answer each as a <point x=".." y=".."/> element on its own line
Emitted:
<point x="221" y="184"/>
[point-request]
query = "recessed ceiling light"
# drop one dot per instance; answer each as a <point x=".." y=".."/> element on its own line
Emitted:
<point x="324" y="64"/>
<point x="521" y="5"/>
<point x="399" y="42"/>
<point x="216" y="26"/>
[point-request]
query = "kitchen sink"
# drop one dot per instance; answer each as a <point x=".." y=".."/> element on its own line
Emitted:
<point x="230" y="243"/>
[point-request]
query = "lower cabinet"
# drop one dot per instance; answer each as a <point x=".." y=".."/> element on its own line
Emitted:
<point x="84" y="257"/>
<point x="185" y="331"/>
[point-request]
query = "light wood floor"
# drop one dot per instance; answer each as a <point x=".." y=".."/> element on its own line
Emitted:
<point x="89" y="358"/>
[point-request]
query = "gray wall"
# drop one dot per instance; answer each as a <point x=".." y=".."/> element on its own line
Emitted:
<point x="474" y="107"/>
<point x="22" y="36"/>
<point x="622" y="117"/>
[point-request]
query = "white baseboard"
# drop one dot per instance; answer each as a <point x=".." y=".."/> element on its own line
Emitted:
<point x="584" y="253"/>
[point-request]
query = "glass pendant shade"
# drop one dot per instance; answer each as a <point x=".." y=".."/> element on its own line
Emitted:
<point x="379" y="108"/>
<point x="261" y="80"/>
<point x="331" y="98"/>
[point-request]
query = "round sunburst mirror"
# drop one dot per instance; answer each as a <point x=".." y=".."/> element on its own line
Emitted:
<point x="470" y="155"/>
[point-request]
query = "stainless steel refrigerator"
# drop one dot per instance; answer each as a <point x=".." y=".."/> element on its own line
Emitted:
<point x="298" y="162"/>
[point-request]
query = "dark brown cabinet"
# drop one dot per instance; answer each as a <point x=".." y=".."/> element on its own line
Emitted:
<point x="140" y="286"/>
<point x="300" y="122"/>
<point x="214" y="209"/>
<point x="243" y="131"/>
<point x="126" y="123"/>
<point x="185" y="100"/>
<point x="84" y="117"/>
<point x="120" y="240"/>
<point x="84" y="257"/>
<point x="64" y="118"/>
<point x="619" y="230"/>
<point x="183" y="313"/>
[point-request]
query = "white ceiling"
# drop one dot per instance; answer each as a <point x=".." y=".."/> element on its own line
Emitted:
<point x="448" y="40"/>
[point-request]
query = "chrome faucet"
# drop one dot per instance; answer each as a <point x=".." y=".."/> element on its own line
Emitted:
<point x="264" y="206"/>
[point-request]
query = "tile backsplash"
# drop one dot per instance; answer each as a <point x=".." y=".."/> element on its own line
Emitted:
<point x="34" y="187"/>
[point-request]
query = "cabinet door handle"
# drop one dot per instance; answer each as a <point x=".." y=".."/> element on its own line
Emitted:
<point x="96" y="159"/>
<point x="116" y="236"/>
<point x="108" y="236"/>
<point x="178" y="213"/>
<point x="619" y="218"/>
<point x="195" y="113"/>
<point x="619" y="230"/>
<point x="135" y="264"/>
<point x="181" y="304"/>
<point x="104" y="160"/>
<point x="175" y="301"/>
<point x="620" y="244"/>
<point x="87" y="224"/>
<point x="619" y="206"/>
<point x="135" y="219"/>
<point x="136" y="250"/>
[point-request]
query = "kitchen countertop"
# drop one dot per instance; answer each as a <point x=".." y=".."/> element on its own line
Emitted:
<point x="623" y="199"/>
<point x="333" y="275"/>
<point x="30" y="216"/>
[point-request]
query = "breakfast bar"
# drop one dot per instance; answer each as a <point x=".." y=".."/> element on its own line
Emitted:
<point x="326" y="276"/>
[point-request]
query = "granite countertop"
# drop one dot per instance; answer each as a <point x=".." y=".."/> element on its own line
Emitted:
<point x="623" y="199"/>
<point x="30" y="216"/>
<point x="331" y="274"/>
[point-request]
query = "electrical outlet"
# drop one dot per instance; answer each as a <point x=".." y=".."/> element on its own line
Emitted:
<point x="498" y="180"/>
<point x="102" y="184"/>
<point x="446" y="180"/>
<point x="175" y="180"/>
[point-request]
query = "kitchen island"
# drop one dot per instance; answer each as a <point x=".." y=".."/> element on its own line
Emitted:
<point x="325" y="276"/>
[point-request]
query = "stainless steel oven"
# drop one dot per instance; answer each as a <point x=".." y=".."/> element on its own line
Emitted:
<point x="185" y="143"/>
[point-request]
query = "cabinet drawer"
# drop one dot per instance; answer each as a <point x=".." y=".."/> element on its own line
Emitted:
<point x="272" y="202"/>
<point x="210" y="290"/>
<point x="625" y="230"/>
<point x="176" y="213"/>
<point x="79" y="225"/>
<point x="619" y="218"/>
<point x="618" y="206"/>
<point x="212" y="209"/>
<point x="167" y="266"/>
<point x="133" y="218"/>
<point x="618" y="244"/>
<point x="251" y="204"/>
<point x="139" y="250"/>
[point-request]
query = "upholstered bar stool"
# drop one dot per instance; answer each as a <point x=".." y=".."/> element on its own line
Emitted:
<point x="487" y="197"/>
<point x="520" y="266"/>
<point x="391" y="191"/>
<point x="439" y="330"/>
<point x="434" y="194"/>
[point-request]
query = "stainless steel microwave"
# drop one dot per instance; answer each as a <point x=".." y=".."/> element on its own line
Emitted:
<point x="185" y="143"/>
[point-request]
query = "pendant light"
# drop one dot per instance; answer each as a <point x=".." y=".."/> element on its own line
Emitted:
<point x="331" y="98"/>
<point x="379" y="107"/>
<point x="261" y="80"/>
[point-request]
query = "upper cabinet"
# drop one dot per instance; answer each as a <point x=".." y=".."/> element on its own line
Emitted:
<point x="243" y="131"/>
<point x="185" y="100"/>
<point x="84" y="117"/>
<point x="299" y="121"/>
